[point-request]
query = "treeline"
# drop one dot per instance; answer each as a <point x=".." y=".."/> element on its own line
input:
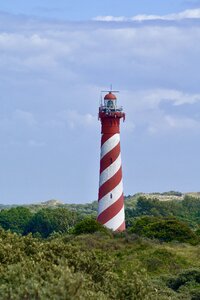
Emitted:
<point x="186" y="210"/>
<point x="164" y="220"/>
<point x="41" y="224"/>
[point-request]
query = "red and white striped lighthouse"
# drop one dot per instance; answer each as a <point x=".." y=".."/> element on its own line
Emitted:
<point x="111" y="198"/>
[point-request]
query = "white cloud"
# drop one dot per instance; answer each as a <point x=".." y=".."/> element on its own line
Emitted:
<point x="173" y="124"/>
<point x="153" y="97"/>
<point x="51" y="75"/>
<point x="75" y="119"/>
<point x="63" y="68"/>
<point x="187" y="14"/>
<point x="110" y="19"/>
<point x="154" y="111"/>
<point x="182" y="123"/>
<point x="92" y="54"/>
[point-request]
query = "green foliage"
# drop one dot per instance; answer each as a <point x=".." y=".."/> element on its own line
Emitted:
<point x="187" y="282"/>
<point x="154" y="207"/>
<point x="96" y="266"/>
<point x="15" y="219"/>
<point x="55" y="269"/>
<point x="162" y="259"/>
<point x="43" y="280"/>
<point x="84" y="210"/>
<point x="186" y="210"/>
<point x="47" y="220"/>
<point x="164" y="229"/>
<point x="184" y="278"/>
<point x="89" y="225"/>
<point x="64" y="253"/>
<point x="172" y="193"/>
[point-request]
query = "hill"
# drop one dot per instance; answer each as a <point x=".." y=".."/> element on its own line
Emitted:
<point x="92" y="206"/>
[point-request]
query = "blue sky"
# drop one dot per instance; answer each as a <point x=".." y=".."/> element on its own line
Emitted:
<point x="84" y="10"/>
<point x="51" y="73"/>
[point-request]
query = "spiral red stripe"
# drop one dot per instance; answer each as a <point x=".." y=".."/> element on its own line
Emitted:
<point x="121" y="227"/>
<point x="111" y="211"/>
<point x="109" y="158"/>
<point x="109" y="185"/>
<point x="105" y="137"/>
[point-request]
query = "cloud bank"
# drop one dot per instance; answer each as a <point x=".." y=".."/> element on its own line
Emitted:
<point x="51" y="75"/>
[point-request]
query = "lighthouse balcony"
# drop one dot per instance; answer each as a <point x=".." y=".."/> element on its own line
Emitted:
<point x="110" y="109"/>
<point x="111" y="113"/>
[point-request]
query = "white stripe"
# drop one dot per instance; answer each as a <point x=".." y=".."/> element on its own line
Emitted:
<point x="107" y="201"/>
<point x="116" y="221"/>
<point x="110" y="144"/>
<point x="110" y="171"/>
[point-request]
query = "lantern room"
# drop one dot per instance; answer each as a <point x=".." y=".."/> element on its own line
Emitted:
<point x="110" y="101"/>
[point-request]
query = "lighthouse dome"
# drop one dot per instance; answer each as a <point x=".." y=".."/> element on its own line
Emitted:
<point x="110" y="96"/>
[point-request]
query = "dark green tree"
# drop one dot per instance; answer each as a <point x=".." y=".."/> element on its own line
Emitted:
<point x="47" y="221"/>
<point x="15" y="219"/>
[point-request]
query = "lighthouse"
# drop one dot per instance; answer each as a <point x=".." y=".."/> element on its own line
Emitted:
<point x="111" y="198"/>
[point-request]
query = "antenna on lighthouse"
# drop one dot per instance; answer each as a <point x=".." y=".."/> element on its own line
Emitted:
<point x="110" y="91"/>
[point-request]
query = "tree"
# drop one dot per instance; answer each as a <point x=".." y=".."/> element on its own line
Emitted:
<point x="47" y="221"/>
<point x="15" y="219"/>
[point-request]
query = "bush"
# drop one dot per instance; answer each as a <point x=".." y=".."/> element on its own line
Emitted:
<point x="164" y="229"/>
<point x="89" y="225"/>
<point x="184" y="278"/>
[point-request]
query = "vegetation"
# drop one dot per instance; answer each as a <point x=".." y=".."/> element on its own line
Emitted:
<point x="164" y="229"/>
<point x="89" y="225"/>
<point x="16" y="219"/>
<point x="61" y="252"/>
<point x="46" y="221"/>
<point x="96" y="266"/>
<point x="186" y="210"/>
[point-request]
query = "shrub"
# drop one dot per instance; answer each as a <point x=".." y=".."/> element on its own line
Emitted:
<point x="187" y="276"/>
<point x="89" y="225"/>
<point x="164" y="229"/>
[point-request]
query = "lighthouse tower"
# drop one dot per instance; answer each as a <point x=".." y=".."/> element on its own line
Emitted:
<point x="111" y="198"/>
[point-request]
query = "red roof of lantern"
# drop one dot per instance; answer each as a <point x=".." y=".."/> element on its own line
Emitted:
<point x="110" y="96"/>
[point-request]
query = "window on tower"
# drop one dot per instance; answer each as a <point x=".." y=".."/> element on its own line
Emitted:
<point x="110" y="104"/>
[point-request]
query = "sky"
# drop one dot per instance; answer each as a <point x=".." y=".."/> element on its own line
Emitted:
<point x="56" y="57"/>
